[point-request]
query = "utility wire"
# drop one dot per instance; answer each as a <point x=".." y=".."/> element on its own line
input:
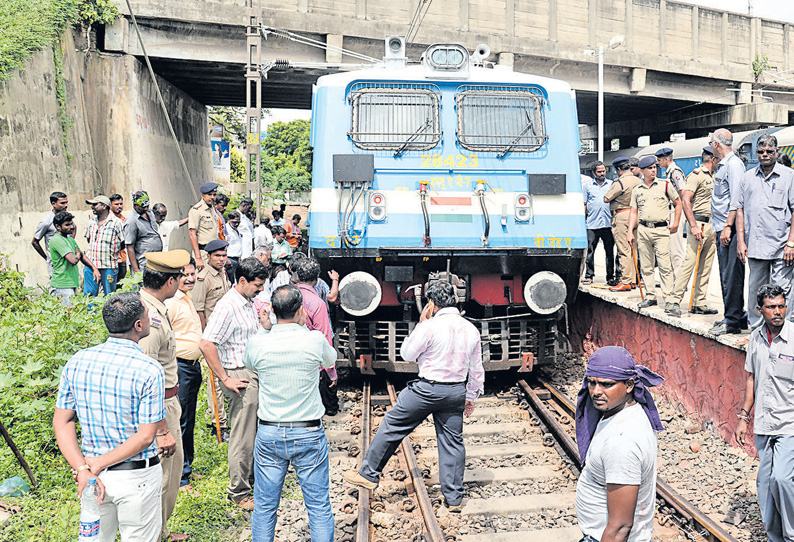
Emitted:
<point x="313" y="43"/>
<point x="414" y="30"/>
<point x="162" y="102"/>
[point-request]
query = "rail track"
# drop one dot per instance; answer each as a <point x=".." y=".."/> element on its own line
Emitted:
<point x="518" y="487"/>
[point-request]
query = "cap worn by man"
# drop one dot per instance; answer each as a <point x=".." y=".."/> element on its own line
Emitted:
<point x="141" y="198"/>
<point x="620" y="161"/>
<point x="215" y="245"/>
<point x="168" y="262"/>
<point x="206" y="188"/>
<point x="99" y="199"/>
<point x="709" y="150"/>
<point x="646" y="162"/>
<point x="664" y="151"/>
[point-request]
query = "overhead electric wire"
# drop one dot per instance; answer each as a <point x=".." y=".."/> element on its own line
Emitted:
<point x="313" y="43"/>
<point x="413" y="28"/>
<point x="162" y="102"/>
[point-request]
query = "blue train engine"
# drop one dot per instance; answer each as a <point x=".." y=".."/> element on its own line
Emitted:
<point x="452" y="168"/>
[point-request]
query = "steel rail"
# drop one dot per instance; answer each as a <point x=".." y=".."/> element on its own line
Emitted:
<point x="434" y="533"/>
<point x="362" y="528"/>
<point x="663" y="490"/>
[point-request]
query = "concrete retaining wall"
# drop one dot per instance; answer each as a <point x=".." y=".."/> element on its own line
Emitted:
<point x="705" y="377"/>
<point x="118" y="140"/>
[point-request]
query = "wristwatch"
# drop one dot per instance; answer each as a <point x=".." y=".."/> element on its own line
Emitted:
<point x="790" y="244"/>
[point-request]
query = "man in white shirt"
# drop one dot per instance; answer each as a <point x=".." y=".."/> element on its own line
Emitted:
<point x="448" y="351"/>
<point x="262" y="234"/>
<point x="165" y="227"/>
<point x="616" y="421"/>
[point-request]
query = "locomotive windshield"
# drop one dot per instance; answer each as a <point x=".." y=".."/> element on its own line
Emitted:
<point x="397" y="118"/>
<point x="501" y="120"/>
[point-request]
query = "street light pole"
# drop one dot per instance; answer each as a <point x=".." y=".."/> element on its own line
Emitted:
<point x="600" y="103"/>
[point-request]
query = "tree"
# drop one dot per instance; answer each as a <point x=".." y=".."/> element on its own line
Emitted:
<point x="232" y="119"/>
<point x="237" y="165"/>
<point x="290" y="139"/>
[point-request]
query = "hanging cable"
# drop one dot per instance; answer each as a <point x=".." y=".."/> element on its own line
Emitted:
<point x="413" y="30"/>
<point x="265" y="30"/>
<point x="423" y="203"/>
<point x="162" y="102"/>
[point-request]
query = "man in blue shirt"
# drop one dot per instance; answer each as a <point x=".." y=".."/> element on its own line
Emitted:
<point x="287" y="360"/>
<point x="765" y="238"/>
<point x="117" y="393"/>
<point x="727" y="183"/>
<point x="599" y="220"/>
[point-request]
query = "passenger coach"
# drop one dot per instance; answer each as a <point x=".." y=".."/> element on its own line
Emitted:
<point x="450" y="168"/>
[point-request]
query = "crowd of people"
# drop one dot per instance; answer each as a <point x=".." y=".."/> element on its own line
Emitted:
<point x="741" y="216"/>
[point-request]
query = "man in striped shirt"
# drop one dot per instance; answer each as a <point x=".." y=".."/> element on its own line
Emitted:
<point x="105" y="237"/>
<point x="116" y="392"/>
<point x="449" y="354"/>
<point x="288" y="359"/>
<point x="231" y="326"/>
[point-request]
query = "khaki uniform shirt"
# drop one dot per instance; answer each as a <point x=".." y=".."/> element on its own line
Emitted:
<point x="676" y="176"/>
<point x="701" y="182"/>
<point x="653" y="202"/>
<point x="202" y="218"/>
<point x="186" y="325"/>
<point x="160" y="343"/>
<point x="211" y="285"/>
<point x="619" y="194"/>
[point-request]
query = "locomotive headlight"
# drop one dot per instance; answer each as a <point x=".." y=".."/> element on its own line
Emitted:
<point x="447" y="57"/>
<point x="359" y="293"/>
<point x="545" y="292"/>
<point x="376" y="208"/>
<point x="523" y="208"/>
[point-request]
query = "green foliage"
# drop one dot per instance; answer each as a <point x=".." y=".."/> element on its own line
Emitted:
<point x="232" y="119"/>
<point x="27" y="26"/>
<point x="760" y="65"/>
<point x="290" y="140"/>
<point x="237" y="165"/>
<point x="60" y="96"/>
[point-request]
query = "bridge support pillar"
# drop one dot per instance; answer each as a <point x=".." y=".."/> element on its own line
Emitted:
<point x="117" y="35"/>
<point x="333" y="55"/>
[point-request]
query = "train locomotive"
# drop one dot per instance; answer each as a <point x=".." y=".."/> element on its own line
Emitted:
<point x="451" y="168"/>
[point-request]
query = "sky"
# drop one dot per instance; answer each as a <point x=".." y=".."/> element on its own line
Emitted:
<point x="778" y="10"/>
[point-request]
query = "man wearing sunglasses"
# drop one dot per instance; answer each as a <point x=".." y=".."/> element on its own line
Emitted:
<point x="763" y="222"/>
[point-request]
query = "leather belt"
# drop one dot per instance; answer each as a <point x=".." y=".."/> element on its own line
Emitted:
<point x="653" y="224"/>
<point x="441" y="383"/>
<point x="187" y="361"/>
<point x="171" y="392"/>
<point x="135" y="465"/>
<point x="620" y="210"/>
<point x="291" y="425"/>
<point x="702" y="218"/>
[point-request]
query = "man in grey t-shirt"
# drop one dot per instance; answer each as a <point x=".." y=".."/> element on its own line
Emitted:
<point x="141" y="234"/>
<point x="616" y="421"/>
<point x="45" y="230"/>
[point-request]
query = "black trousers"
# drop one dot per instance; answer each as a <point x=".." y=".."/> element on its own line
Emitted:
<point x="328" y="394"/>
<point x="732" y="281"/>
<point x="605" y="236"/>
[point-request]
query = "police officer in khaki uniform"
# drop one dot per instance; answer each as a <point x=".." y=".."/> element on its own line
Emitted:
<point x="650" y="204"/>
<point x="202" y="223"/>
<point x="619" y="198"/>
<point x="211" y="285"/>
<point x="675" y="176"/>
<point x="696" y="202"/>
<point x="160" y="282"/>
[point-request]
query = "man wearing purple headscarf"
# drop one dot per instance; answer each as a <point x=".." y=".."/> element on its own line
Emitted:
<point x="616" y="425"/>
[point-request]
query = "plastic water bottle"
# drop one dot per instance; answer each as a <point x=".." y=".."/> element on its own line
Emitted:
<point x="89" y="513"/>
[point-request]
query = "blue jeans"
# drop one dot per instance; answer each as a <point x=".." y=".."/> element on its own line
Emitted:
<point x="107" y="277"/>
<point x="307" y="450"/>
<point x="189" y="384"/>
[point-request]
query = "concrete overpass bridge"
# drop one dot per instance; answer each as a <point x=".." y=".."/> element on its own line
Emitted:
<point x="681" y="68"/>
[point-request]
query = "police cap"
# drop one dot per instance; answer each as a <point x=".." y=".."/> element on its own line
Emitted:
<point x="167" y="262"/>
<point x="634" y="161"/>
<point x="647" y="161"/>
<point x="216" y="244"/>
<point x="708" y="150"/>
<point x="664" y="151"/>
<point x="206" y="188"/>
<point x="620" y="161"/>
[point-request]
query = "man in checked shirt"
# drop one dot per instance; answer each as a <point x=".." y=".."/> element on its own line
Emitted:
<point x="449" y="354"/>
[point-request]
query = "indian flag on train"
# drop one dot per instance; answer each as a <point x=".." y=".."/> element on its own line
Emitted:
<point x="451" y="209"/>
